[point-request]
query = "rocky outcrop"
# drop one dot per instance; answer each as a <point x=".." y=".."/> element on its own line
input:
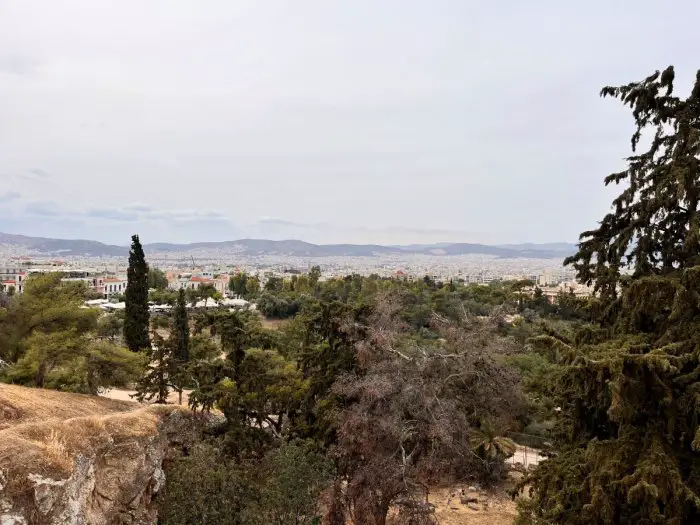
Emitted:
<point x="113" y="476"/>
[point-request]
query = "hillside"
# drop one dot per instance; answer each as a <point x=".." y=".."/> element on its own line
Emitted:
<point x="70" y="458"/>
<point x="19" y="405"/>
<point x="293" y="248"/>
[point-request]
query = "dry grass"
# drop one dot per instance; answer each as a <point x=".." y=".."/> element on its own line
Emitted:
<point x="25" y="405"/>
<point x="42" y="431"/>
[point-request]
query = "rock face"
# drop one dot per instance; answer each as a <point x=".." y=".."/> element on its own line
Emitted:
<point x="116" y="485"/>
<point x="114" y="481"/>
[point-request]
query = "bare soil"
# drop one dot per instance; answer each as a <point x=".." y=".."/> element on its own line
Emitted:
<point x="495" y="507"/>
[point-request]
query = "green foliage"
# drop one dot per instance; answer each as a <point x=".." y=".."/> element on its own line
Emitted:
<point x="234" y="336"/>
<point x="270" y="389"/>
<point x="238" y="284"/>
<point x="277" y="307"/>
<point x="181" y="330"/>
<point x="293" y="477"/>
<point x="206" y="291"/>
<point x="136" y="298"/>
<point x="206" y="487"/>
<point x="179" y="343"/>
<point x="252" y="287"/>
<point x="157" y="279"/>
<point x="107" y="365"/>
<point x="628" y="387"/>
<point x="274" y="284"/>
<point x="110" y="326"/>
<point x="203" y="348"/>
<point x="47" y="305"/>
<point x="46" y="353"/>
<point x="163" y="297"/>
<point x="266" y="394"/>
<point x="65" y="360"/>
<point x="492" y="449"/>
<point x="155" y="383"/>
<point x="389" y="379"/>
<point x="314" y="276"/>
<point x="53" y="342"/>
<point x="653" y="228"/>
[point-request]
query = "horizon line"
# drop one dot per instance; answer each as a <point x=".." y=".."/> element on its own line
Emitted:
<point x="388" y="245"/>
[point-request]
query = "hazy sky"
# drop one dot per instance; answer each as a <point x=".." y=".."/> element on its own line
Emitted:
<point x="327" y="120"/>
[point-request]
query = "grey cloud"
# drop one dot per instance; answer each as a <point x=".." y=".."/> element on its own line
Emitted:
<point x="44" y="209"/>
<point x="273" y="221"/>
<point x="185" y="215"/>
<point x="128" y="213"/>
<point x="9" y="196"/>
<point x="115" y="214"/>
<point x="35" y="174"/>
<point x="138" y="207"/>
<point x="18" y="65"/>
<point x="42" y="174"/>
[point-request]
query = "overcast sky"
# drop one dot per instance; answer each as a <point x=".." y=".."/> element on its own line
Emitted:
<point x="328" y="120"/>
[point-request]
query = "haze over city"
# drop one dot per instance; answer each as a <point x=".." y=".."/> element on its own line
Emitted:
<point x="388" y="122"/>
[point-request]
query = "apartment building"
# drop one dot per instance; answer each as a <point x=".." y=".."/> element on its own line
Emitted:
<point x="113" y="286"/>
<point x="12" y="279"/>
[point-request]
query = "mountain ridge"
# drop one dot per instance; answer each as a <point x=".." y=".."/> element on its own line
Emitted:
<point x="290" y="247"/>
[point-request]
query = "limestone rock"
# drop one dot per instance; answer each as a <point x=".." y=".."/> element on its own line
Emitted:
<point x="112" y="484"/>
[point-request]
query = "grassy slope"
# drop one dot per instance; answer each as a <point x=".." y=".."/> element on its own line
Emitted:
<point x="42" y="431"/>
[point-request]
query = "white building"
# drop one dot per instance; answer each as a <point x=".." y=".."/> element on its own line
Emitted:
<point x="12" y="280"/>
<point x="114" y="286"/>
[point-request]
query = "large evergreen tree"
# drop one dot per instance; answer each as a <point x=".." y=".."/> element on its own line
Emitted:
<point x="137" y="316"/>
<point x="180" y="342"/>
<point x="629" y="435"/>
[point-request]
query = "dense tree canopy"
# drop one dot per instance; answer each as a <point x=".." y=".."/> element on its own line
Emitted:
<point x="157" y="279"/>
<point x="50" y="340"/>
<point x="629" y="435"/>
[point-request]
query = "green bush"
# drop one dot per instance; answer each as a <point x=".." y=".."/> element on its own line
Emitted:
<point x="205" y="488"/>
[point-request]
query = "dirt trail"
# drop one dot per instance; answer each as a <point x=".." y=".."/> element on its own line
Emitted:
<point x="125" y="395"/>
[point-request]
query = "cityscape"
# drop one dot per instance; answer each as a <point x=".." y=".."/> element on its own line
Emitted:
<point x="349" y="263"/>
<point x="106" y="275"/>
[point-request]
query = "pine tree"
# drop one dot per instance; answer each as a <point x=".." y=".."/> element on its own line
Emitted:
<point x="629" y="440"/>
<point x="156" y="382"/>
<point x="180" y="340"/>
<point x="136" y="313"/>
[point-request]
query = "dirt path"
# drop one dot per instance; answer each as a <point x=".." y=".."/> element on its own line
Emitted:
<point x="526" y="456"/>
<point x="125" y="395"/>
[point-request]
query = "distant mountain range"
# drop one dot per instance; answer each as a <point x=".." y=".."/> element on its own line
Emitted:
<point x="79" y="247"/>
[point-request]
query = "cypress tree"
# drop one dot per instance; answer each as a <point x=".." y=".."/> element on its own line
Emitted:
<point x="136" y="313"/>
<point x="628" y="443"/>
<point x="180" y="341"/>
<point x="181" y="329"/>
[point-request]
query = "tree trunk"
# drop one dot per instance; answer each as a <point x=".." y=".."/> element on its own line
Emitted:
<point x="40" y="375"/>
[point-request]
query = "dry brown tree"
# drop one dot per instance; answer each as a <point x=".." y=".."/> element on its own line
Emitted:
<point x="412" y="411"/>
